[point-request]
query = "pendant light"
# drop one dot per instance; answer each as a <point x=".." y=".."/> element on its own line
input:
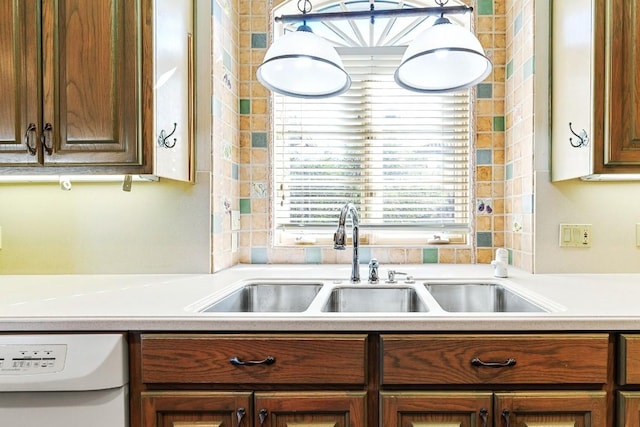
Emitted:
<point x="303" y="65"/>
<point x="443" y="58"/>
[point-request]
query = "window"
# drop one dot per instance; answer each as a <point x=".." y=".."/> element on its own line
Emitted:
<point x="402" y="158"/>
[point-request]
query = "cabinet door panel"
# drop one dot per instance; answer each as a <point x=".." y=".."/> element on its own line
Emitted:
<point x="435" y="409"/>
<point x="90" y="69"/>
<point x="623" y="78"/>
<point x="552" y="409"/>
<point x="629" y="408"/>
<point x="196" y="409"/>
<point x="18" y="81"/>
<point x="311" y="409"/>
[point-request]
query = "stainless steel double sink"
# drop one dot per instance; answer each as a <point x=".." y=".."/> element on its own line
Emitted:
<point x="419" y="297"/>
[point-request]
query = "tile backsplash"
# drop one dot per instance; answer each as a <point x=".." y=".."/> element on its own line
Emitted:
<point x="500" y="174"/>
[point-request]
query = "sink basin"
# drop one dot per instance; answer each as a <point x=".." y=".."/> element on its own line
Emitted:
<point x="480" y="297"/>
<point x="374" y="299"/>
<point x="267" y="297"/>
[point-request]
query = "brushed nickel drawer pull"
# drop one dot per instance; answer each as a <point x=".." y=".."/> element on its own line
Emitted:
<point x="477" y="362"/>
<point x="270" y="360"/>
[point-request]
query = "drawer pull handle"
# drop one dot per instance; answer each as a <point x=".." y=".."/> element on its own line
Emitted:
<point x="484" y="414"/>
<point x="27" y="139"/>
<point x="263" y="416"/>
<point x="240" y="413"/>
<point x="270" y="360"/>
<point x="505" y="417"/>
<point x="477" y="362"/>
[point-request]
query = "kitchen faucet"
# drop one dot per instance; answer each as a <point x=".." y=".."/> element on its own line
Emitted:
<point x="339" y="239"/>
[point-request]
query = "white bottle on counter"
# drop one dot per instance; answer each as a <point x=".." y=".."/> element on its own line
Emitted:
<point x="500" y="263"/>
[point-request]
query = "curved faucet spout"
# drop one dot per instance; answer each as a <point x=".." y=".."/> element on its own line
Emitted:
<point x="339" y="239"/>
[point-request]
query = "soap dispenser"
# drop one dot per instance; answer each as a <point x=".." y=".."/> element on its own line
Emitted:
<point x="500" y="263"/>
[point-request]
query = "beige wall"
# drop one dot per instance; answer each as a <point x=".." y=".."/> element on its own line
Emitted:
<point x="612" y="208"/>
<point x="98" y="228"/>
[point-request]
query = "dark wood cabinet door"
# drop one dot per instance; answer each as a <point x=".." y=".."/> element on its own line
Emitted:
<point x="551" y="409"/>
<point x="196" y="409"/>
<point x="617" y="87"/>
<point x="310" y="409"/>
<point x="74" y="77"/>
<point x="436" y="409"/>
<point x="19" y="100"/>
<point x="91" y="68"/>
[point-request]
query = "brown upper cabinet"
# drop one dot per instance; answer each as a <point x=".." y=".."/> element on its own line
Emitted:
<point x="76" y="82"/>
<point x="595" y="81"/>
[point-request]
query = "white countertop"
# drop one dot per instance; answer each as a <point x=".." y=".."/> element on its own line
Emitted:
<point x="581" y="302"/>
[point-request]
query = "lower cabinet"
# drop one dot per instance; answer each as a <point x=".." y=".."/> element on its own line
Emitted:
<point x="378" y="380"/>
<point x="244" y="409"/>
<point x="482" y="409"/>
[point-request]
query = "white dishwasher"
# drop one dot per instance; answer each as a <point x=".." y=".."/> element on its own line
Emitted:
<point x="63" y="380"/>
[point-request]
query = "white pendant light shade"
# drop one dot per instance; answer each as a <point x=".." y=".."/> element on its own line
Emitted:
<point x="444" y="58"/>
<point x="304" y="65"/>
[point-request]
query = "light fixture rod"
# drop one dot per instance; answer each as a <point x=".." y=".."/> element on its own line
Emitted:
<point x="361" y="14"/>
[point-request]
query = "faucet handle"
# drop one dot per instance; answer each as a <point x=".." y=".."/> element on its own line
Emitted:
<point x="373" y="271"/>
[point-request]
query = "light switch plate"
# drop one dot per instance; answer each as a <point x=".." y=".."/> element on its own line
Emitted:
<point x="575" y="235"/>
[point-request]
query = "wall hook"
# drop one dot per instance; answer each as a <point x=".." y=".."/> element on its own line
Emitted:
<point x="583" y="138"/>
<point x="163" y="137"/>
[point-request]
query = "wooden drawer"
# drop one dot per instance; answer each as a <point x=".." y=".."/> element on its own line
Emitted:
<point x="507" y="359"/>
<point x="629" y="359"/>
<point x="296" y="359"/>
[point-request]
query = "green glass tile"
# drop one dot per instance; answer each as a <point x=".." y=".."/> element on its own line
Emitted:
<point x="245" y="106"/>
<point x="485" y="239"/>
<point x="509" y="69"/>
<point x="259" y="256"/>
<point x="365" y="255"/>
<point x="485" y="90"/>
<point x="259" y="139"/>
<point x="217" y="108"/>
<point x="484" y="157"/>
<point x="226" y="60"/>
<point x="235" y="171"/>
<point x="508" y="171"/>
<point x="313" y="256"/>
<point x="245" y="206"/>
<point x="485" y="7"/>
<point x="510" y="251"/>
<point x="216" y="223"/>
<point x="517" y="24"/>
<point x="498" y="123"/>
<point x="528" y="67"/>
<point x="429" y="256"/>
<point x="258" y="40"/>
<point x="527" y="203"/>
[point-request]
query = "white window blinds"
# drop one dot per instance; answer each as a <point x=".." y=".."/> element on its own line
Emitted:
<point x="401" y="157"/>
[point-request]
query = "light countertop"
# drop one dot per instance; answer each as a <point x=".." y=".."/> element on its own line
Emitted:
<point x="579" y="302"/>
